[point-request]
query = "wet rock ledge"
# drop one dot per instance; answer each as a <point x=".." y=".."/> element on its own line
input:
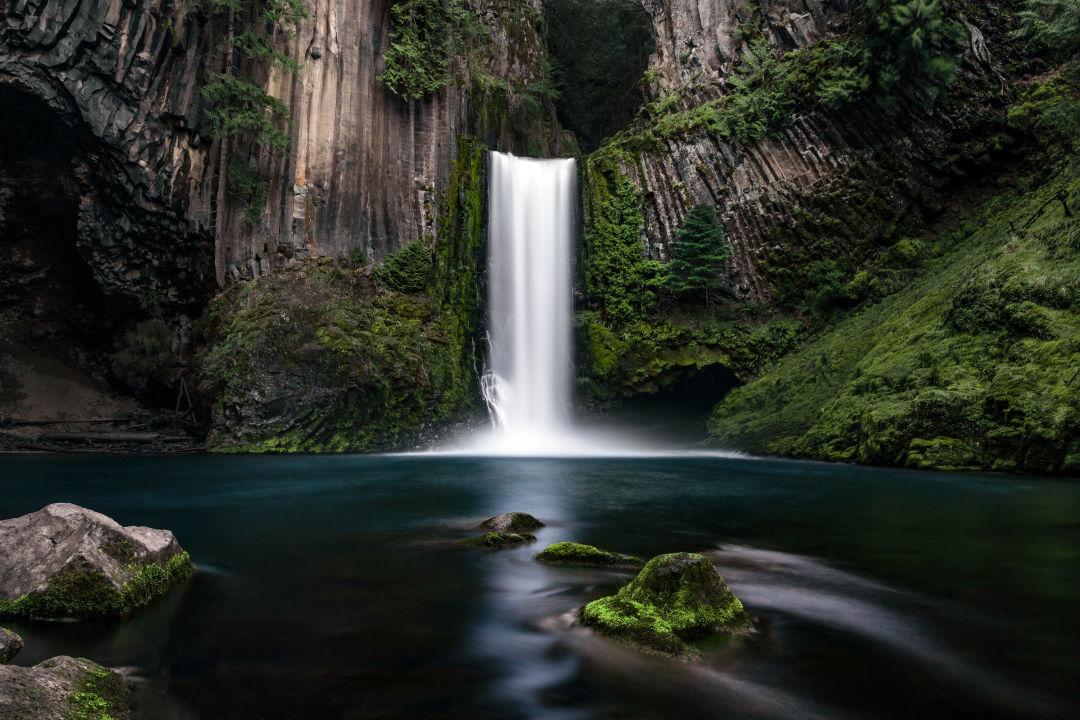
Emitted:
<point x="67" y="561"/>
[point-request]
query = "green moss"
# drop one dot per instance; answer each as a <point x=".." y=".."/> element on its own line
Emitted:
<point x="674" y="599"/>
<point x="84" y="592"/>
<point x="498" y="541"/>
<point x="370" y="366"/>
<point x="570" y="553"/>
<point x="972" y="366"/>
<point x="100" y="695"/>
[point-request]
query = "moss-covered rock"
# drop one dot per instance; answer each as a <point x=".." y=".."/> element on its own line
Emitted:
<point x="67" y="561"/>
<point x="674" y="599"/>
<point x="10" y="645"/>
<point x="512" y="522"/>
<point x="571" y="553"/>
<point x="63" y="687"/>
<point x="498" y="541"/>
<point x="318" y="357"/>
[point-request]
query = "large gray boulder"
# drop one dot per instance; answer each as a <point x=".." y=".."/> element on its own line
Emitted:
<point x="10" y="645"/>
<point x="67" y="561"/>
<point x="62" y="687"/>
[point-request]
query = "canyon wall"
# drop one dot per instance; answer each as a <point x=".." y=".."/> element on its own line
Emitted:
<point x="829" y="164"/>
<point x="363" y="171"/>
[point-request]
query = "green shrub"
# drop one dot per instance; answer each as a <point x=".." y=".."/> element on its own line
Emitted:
<point x="408" y="270"/>
<point x="425" y="36"/>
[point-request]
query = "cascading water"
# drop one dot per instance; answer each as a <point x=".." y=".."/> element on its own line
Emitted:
<point x="529" y="374"/>
<point x="530" y="235"/>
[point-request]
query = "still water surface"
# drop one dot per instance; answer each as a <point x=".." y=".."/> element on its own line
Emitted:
<point x="329" y="587"/>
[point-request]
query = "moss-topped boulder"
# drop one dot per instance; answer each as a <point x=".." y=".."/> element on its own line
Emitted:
<point x="512" y="522"/>
<point x="63" y="687"/>
<point x="571" y="553"/>
<point x="674" y="599"/>
<point x="67" y="561"/>
<point x="10" y="645"/>
<point x="498" y="541"/>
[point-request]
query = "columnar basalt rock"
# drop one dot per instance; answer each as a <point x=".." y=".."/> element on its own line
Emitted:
<point x="121" y="77"/>
<point x="363" y="172"/>
<point x="763" y="189"/>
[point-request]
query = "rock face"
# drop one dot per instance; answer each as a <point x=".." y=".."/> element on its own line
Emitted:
<point x="62" y="687"/>
<point x="122" y="100"/>
<point x="675" y="598"/>
<point x="10" y="645"/>
<point x="363" y="171"/>
<point x="65" y="560"/>
<point x="512" y="522"/>
<point x="828" y="164"/>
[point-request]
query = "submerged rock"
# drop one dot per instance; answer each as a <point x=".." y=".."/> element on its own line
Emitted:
<point x="10" y="645"/>
<point x="67" y="561"/>
<point x="512" y="522"/>
<point x="62" y="687"/>
<point x="675" y="598"/>
<point x="570" y="553"/>
<point x="498" y="541"/>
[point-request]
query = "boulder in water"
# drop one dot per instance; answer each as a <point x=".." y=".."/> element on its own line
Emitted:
<point x="67" y="561"/>
<point x="62" y="687"/>
<point x="498" y="541"/>
<point x="675" y="598"/>
<point x="571" y="553"/>
<point x="512" y="522"/>
<point x="10" y="645"/>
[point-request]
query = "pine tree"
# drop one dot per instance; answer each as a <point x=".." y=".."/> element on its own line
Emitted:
<point x="700" y="251"/>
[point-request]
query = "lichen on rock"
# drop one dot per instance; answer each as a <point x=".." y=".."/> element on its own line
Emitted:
<point x="10" y="645"/>
<point x="675" y="598"/>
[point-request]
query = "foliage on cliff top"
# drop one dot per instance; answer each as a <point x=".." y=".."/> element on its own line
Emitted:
<point x="425" y="37"/>
<point x="973" y="366"/>
<point x="600" y="49"/>
<point x="892" y="48"/>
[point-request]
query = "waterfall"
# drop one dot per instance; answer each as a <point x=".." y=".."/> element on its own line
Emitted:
<point x="530" y="234"/>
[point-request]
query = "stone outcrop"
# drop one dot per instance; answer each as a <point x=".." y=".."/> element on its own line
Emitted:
<point x="10" y="645"/>
<point x="120" y="82"/>
<point x="363" y="172"/>
<point x="825" y="164"/>
<point x="62" y="687"/>
<point x="65" y="560"/>
<point x="511" y="522"/>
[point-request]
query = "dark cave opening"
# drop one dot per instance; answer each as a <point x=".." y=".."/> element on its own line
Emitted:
<point x="50" y="305"/>
<point x="678" y="412"/>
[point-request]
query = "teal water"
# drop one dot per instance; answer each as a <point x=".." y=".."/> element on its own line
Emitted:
<point x="329" y="587"/>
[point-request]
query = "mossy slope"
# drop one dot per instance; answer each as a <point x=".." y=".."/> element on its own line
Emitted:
<point x="973" y="366"/>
